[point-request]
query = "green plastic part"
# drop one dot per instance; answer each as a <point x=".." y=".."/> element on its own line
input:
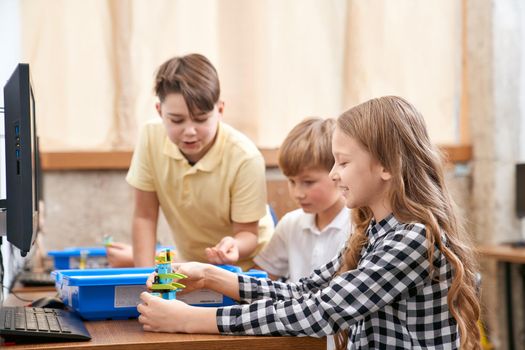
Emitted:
<point x="172" y="275"/>
<point x="178" y="285"/>
<point x="163" y="287"/>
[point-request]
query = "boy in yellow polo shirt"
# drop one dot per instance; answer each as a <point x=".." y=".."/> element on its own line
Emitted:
<point x="208" y="178"/>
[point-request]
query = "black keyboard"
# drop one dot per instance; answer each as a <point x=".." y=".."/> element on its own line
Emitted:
<point x="29" y="278"/>
<point x="33" y="324"/>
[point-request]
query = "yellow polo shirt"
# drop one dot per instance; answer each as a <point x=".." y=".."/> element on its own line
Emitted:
<point x="200" y="202"/>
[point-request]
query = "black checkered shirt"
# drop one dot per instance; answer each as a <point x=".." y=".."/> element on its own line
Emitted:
<point x="389" y="302"/>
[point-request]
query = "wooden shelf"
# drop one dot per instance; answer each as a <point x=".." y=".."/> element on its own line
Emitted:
<point x="120" y="160"/>
<point x="102" y="160"/>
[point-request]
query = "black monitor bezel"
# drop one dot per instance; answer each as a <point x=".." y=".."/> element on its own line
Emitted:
<point x="21" y="171"/>
<point x="520" y="190"/>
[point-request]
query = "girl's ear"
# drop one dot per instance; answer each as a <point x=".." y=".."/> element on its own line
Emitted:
<point x="157" y="107"/>
<point x="385" y="175"/>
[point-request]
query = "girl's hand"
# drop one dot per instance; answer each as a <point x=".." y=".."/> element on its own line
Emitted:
<point x="159" y="315"/>
<point x="195" y="271"/>
<point x="225" y="252"/>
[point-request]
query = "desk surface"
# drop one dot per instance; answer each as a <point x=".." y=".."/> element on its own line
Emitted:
<point x="20" y="288"/>
<point x="128" y="334"/>
<point x="503" y="253"/>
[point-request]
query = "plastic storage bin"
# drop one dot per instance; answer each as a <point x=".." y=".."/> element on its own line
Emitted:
<point x="69" y="258"/>
<point x="98" y="294"/>
<point x="95" y="257"/>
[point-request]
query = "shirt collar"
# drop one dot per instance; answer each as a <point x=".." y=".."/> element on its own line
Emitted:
<point x="342" y="220"/>
<point x="308" y="223"/>
<point x="210" y="160"/>
<point x="381" y="228"/>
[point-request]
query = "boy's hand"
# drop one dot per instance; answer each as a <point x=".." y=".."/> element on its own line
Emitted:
<point x="120" y="255"/>
<point x="225" y="252"/>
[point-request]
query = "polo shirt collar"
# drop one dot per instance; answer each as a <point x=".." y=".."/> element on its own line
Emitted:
<point x="308" y="222"/>
<point x="341" y="220"/>
<point x="210" y="160"/>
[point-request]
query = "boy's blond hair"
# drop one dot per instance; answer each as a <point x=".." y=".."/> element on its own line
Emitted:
<point x="307" y="146"/>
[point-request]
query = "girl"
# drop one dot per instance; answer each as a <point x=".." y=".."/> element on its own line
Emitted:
<point x="406" y="277"/>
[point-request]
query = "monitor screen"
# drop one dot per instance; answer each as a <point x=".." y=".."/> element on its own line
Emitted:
<point x="21" y="160"/>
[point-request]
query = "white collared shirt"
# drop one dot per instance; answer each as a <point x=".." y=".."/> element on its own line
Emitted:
<point x="297" y="247"/>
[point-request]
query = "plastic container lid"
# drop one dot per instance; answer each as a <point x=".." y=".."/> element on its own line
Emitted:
<point x="75" y="251"/>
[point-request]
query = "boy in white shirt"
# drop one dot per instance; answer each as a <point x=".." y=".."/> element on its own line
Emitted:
<point x="307" y="238"/>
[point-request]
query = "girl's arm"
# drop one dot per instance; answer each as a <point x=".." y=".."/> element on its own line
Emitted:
<point x="251" y="289"/>
<point x="392" y="272"/>
<point x="222" y="281"/>
<point x="241" y="287"/>
<point x="395" y="270"/>
<point x="159" y="315"/>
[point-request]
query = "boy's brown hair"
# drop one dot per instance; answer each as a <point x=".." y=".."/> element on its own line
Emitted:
<point x="307" y="146"/>
<point x="194" y="77"/>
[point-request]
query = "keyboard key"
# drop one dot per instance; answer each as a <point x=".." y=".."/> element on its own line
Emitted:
<point x="20" y="321"/>
<point x="53" y="323"/>
<point x="31" y="321"/>
<point x="42" y="322"/>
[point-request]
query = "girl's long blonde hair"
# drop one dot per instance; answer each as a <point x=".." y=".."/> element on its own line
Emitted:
<point x="394" y="133"/>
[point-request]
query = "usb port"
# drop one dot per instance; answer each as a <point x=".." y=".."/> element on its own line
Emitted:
<point x="17" y="130"/>
<point x="17" y="153"/>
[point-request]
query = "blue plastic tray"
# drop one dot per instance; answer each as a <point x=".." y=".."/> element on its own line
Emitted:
<point x="98" y="294"/>
<point x="96" y="257"/>
<point x="69" y="258"/>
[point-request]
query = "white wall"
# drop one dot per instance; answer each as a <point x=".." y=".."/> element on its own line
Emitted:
<point x="521" y="138"/>
<point x="521" y="154"/>
<point x="9" y="57"/>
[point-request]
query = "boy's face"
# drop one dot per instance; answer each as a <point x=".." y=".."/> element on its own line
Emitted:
<point x="314" y="190"/>
<point x="194" y="137"/>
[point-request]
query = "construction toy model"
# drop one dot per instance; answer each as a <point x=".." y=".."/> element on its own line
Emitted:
<point x="107" y="240"/>
<point x="163" y="285"/>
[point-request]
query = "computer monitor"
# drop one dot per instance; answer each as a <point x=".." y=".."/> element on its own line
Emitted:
<point x="21" y="147"/>
<point x="520" y="190"/>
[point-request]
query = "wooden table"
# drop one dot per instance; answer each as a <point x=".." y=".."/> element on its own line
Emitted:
<point x="507" y="255"/>
<point x="20" y="288"/>
<point x="128" y="335"/>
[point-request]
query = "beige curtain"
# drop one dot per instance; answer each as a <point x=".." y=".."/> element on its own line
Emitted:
<point x="279" y="61"/>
